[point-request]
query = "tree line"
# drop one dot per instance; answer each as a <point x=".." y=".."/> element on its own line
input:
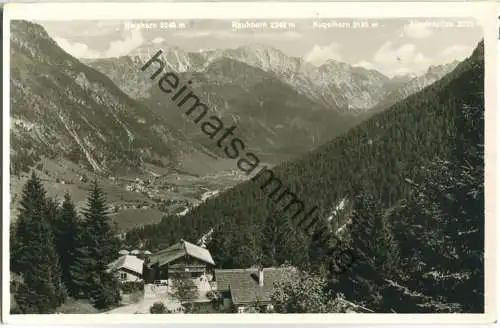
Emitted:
<point x="57" y="253"/>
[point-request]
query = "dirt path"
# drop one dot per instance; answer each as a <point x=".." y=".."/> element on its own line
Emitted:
<point x="151" y="296"/>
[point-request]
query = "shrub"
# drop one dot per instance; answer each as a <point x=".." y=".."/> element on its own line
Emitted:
<point x="214" y="295"/>
<point x="130" y="287"/>
<point x="157" y="308"/>
<point x="216" y="299"/>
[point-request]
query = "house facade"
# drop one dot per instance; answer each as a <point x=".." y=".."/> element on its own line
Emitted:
<point x="127" y="268"/>
<point x="180" y="259"/>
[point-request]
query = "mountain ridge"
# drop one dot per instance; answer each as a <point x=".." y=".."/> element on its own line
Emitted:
<point x="69" y="109"/>
<point x="351" y="89"/>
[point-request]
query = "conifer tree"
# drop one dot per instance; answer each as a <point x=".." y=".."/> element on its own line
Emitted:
<point x="386" y="250"/>
<point x="363" y="216"/>
<point x="66" y="230"/>
<point x="34" y="255"/>
<point x="282" y="240"/>
<point x="372" y="236"/>
<point x="52" y="212"/>
<point x="220" y="240"/>
<point x="97" y="247"/>
<point x="237" y="248"/>
<point x="270" y="241"/>
<point x="99" y="234"/>
<point x="449" y="201"/>
<point x="107" y="292"/>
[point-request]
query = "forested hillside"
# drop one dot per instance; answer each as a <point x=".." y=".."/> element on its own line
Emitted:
<point x="413" y="173"/>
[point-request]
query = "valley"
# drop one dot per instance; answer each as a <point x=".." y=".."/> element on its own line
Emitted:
<point x="134" y="200"/>
<point x="108" y="121"/>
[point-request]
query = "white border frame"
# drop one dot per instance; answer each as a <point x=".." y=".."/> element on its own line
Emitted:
<point x="485" y="13"/>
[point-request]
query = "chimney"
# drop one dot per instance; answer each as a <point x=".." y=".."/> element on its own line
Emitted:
<point x="261" y="276"/>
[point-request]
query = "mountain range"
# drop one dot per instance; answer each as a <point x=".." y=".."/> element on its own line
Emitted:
<point x="284" y="106"/>
<point x="108" y="115"/>
<point x="334" y="84"/>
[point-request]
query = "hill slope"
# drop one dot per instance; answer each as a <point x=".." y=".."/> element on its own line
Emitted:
<point x="69" y="110"/>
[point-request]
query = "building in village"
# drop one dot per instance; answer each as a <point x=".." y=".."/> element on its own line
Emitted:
<point x="240" y="290"/>
<point x="243" y="290"/>
<point x="127" y="268"/>
<point x="182" y="257"/>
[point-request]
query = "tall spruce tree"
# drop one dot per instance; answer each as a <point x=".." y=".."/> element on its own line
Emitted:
<point x="386" y="250"/>
<point x="97" y="247"/>
<point x="282" y="240"/>
<point x="226" y="237"/>
<point x="34" y="254"/>
<point x="107" y="293"/>
<point x="99" y="233"/>
<point x="373" y="258"/>
<point x="372" y="236"/>
<point x="66" y="231"/>
<point x="270" y="239"/>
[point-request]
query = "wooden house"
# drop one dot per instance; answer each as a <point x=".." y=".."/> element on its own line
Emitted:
<point x="181" y="258"/>
<point x="245" y="289"/>
<point x="127" y="268"/>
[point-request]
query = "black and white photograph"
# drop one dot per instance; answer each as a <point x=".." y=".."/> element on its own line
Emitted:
<point x="270" y="166"/>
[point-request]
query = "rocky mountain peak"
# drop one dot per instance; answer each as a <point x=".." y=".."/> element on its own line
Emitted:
<point x="440" y="70"/>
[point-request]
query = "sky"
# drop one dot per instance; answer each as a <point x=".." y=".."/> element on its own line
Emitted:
<point x="393" y="47"/>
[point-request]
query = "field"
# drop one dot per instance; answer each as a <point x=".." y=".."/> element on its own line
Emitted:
<point x="128" y="219"/>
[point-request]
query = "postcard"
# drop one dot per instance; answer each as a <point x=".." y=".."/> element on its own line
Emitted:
<point x="249" y="162"/>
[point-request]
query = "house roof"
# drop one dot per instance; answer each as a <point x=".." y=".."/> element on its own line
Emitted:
<point x="127" y="262"/>
<point x="178" y="250"/>
<point x="244" y="286"/>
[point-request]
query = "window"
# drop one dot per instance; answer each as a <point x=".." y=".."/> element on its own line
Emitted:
<point x="123" y="276"/>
